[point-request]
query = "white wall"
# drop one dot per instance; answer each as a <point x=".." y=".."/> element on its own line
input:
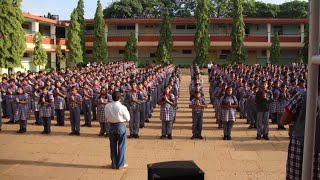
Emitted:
<point x="258" y="29"/>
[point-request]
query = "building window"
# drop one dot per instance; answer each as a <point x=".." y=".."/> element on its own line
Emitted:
<point x="278" y="29"/>
<point x="191" y="26"/>
<point x="149" y="26"/>
<point x="125" y="27"/>
<point x="152" y="55"/>
<point x="180" y="26"/>
<point x="89" y="28"/>
<point x="89" y="51"/>
<point x="25" y="26"/>
<point x="131" y="27"/>
<point x="264" y="53"/>
<point x="247" y="30"/>
<point x="225" y="51"/>
<point x="186" y="51"/>
<point x="121" y="51"/>
<point x="26" y="54"/>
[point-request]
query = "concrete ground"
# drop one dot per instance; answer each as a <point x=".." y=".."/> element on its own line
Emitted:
<point x="59" y="156"/>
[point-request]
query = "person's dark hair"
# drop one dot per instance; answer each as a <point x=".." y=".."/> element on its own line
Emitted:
<point x="116" y="96"/>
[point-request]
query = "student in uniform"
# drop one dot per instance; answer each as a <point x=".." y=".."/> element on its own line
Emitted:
<point x="228" y="104"/>
<point x="167" y="103"/>
<point x="75" y="101"/>
<point x="101" y="101"/>
<point x="197" y="105"/>
<point x="59" y="95"/>
<point x="132" y="101"/>
<point x="10" y="104"/>
<point x="0" y="110"/>
<point x="35" y="103"/>
<point x="143" y="105"/>
<point x="21" y="109"/>
<point x="96" y="90"/>
<point x="45" y="101"/>
<point x="87" y="104"/>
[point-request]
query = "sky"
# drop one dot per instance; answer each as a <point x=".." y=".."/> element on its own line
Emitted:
<point x="63" y="8"/>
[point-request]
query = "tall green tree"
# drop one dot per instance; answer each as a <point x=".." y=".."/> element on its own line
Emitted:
<point x="165" y="42"/>
<point x="59" y="57"/>
<point x="80" y="9"/>
<point x="294" y="9"/>
<point x="99" y="44"/>
<point x="275" y="49"/>
<point x="12" y="35"/>
<point x="238" y="52"/>
<point x="74" y="41"/>
<point x="201" y="40"/>
<point x="220" y="8"/>
<point x="130" y="50"/>
<point x="39" y="55"/>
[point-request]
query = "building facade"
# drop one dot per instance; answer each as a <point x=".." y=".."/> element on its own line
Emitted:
<point x="259" y="33"/>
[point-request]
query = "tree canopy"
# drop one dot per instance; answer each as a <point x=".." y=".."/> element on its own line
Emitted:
<point x="217" y="8"/>
<point x="12" y="35"/>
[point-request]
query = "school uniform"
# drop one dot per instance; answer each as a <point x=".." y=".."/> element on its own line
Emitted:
<point x="228" y="115"/>
<point x="0" y="110"/>
<point x="104" y="125"/>
<point x="218" y="93"/>
<point x="10" y="105"/>
<point x="59" y="105"/>
<point x="96" y="90"/>
<point x="197" y="116"/>
<point x="251" y="108"/>
<point x="22" y="111"/>
<point x="134" y="110"/>
<point x="35" y="106"/>
<point x="87" y="106"/>
<point x="167" y="116"/>
<point x="4" y="86"/>
<point x="143" y="107"/>
<point x="75" y="113"/>
<point x="45" y="111"/>
<point x="262" y="105"/>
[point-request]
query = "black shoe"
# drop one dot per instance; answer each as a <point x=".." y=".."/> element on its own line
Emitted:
<point x="78" y="133"/>
<point x="84" y="125"/>
<point x="72" y="133"/>
<point x="16" y="122"/>
<point x="48" y="132"/>
<point x="229" y="138"/>
<point x="266" y="137"/>
<point x="147" y="121"/>
<point x="251" y="127"/>
<point x="220" y="126"/>
<point x="169" y="136"/>
<point x="136" y="136"/>
<point x="200" y="137"/>
<point x="43" y="132"/>
<point x="22" y="131"/>
<point x="89" y="125"/>
<point x="131" y="136"/>
<point x="141" y="126"/>
<point x="193" y="137"/>
<point x="101" y="134"/>
<point x="162" y="137"/>
<point x="57" y="125"/>
<point x="258" y="137"/>
<point x="10" y="122"/>
<point x="107" y="135"/>
<point x="248" y="122"/>
<point x="225" y="138"/>
<point x="282" y="128"/>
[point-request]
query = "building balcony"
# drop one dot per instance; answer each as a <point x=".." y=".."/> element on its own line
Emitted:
<point x="45" y="40"/>
<point x="61" y="41"/>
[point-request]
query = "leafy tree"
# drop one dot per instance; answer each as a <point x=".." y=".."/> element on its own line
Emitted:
<point x="39" y="55"/>
<point x="220" y="8"/>
<point x="80" y="9"/>
<point x="238" y="53"/>
<point x="59" y="56"/>
<point x="124" y="9"/>
<point x="294" y="9"/>
<point x="201" y="39"/>
<point x="131" y="49"/>
<point x="12" y="35"/>
<point x="99" y="44"/>
<point x="76" y="52"/>
<point x="275" y="49"/>
<point x="165" y="42"/>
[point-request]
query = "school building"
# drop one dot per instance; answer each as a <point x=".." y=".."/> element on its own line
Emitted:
<point x="259" y="33"/>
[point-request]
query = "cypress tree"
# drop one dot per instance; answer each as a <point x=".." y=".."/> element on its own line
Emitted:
<point x="165" y="42"/>
<point x="275" y="49"/>
<point x="76" y="53"/>
<point x="80" y="9"/>
<point x="59" y="56"/>
<point x="39" y="55"/>
<point x="99" y="44"/>
<point x="201" y="40"/>
<point x="12" y="35"/>
<point x="238" y="52"/>
<point x="131" y="49"/>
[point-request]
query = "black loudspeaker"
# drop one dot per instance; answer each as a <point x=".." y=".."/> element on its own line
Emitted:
<point x="175" y="170"/>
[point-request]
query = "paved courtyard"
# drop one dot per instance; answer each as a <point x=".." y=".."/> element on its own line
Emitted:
<point x="59" y="156"/>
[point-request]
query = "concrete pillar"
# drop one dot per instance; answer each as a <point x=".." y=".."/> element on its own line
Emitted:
<point x="53" y="60"/>
<point x="269" y="32"/>
<point x="268" y="55"/>
<point x="35" y="27"/>
<point x="302" y="32"/>
<point x="53" y="33"/>
<point x="137" y="31"/>
<point x="106" y="30"/>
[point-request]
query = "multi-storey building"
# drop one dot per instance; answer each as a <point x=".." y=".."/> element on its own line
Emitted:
<point x="259" y="34"/>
